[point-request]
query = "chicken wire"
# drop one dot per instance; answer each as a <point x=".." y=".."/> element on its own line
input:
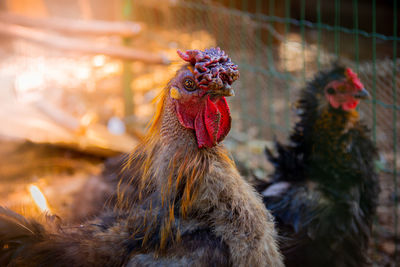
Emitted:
<point x="276" y="54"/>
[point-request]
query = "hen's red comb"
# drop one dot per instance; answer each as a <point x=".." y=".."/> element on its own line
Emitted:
<point x="213" y="69"/>
<point x="353" y="78"/>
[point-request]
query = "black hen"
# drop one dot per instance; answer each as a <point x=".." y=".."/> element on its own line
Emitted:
<point x="324" y="189"/>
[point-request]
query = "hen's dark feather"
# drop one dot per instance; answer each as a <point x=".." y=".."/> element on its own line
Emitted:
<point x="16" y="232"/>
<point x="289" y="166"/>
<point x="30" y="243"/>
<point x="325" y="213"/>
<point x="110" y="240"/>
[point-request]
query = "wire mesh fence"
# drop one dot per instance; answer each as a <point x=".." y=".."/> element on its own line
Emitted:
<point x="278" y="46"/>
<point x="277" y="51"/>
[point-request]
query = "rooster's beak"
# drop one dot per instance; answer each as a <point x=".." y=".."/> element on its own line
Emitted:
<point x="362" y="94"/>
<point x="223" y="92"/>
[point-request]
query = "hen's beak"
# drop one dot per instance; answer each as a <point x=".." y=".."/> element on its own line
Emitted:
<point x="362" y="94"/>
<point x="223" y="92"/>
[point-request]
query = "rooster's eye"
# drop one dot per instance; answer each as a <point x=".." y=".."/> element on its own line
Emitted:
<point x="330" y="91"/>
<point x="189" y="84"/>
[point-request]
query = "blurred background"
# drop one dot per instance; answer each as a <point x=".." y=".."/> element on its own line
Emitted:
<point x="77" y="80"/>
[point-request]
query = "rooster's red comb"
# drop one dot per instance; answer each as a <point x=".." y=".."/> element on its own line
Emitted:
<point x="212" y="67"/>
<point x="353" y="78"/>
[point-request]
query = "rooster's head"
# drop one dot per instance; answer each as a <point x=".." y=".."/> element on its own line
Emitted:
<point x="343" y="89"/>
<point x="198" y="93"/>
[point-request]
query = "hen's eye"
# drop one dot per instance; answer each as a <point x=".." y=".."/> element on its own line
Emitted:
<point x="330" y="91"/>
<point x="189" y="85"/>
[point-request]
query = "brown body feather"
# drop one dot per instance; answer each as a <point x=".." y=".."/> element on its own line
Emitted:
<point x="200" y="184"/>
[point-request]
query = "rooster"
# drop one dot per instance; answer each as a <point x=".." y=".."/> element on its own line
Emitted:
<point x="181" y="200"/>
<point x="324" y="189"/>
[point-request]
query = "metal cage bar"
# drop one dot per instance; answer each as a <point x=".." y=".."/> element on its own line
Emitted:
<point x="271" y="65"/>
<point x="287" y="89"/>
<point x="258" y="52"/>
<point x="337" y="25"/>
<point x="395" y="144"/>
<point x="244" y="94"/>
<point x="319" y="34"/>
<point x="374" y="70"/>
<point x="356" y="38"/>
<point x="127" y="73"/>
<point x="303" y="38"/>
